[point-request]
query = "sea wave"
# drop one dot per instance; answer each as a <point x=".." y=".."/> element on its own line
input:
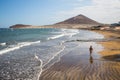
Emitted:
<point x="2" y="44"/>
<point x="56" y="36"/>
<point x="65" y="32"/>
<point x="18" y="46"/>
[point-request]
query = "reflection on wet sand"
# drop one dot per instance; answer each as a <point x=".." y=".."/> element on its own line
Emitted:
<point x="91" y="51"/>
<point x="99" y="70"/>
<point x="78" y="67"/>
<point x="91" y="59"/>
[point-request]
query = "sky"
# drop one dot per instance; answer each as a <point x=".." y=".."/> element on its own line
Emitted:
<point x="46" y="12"/>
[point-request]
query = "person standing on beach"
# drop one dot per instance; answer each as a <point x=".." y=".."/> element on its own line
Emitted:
<point x="91" y="58"/>
<point x="91" y="50"/>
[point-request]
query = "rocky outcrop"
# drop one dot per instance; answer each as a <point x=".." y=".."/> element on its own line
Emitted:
<point x="19" y="26"/>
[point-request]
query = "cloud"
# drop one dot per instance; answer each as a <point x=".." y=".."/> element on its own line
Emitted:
<point x="105" y="11"/>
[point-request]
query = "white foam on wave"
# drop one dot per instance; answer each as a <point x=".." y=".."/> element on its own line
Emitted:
<point x="2" y="44"/>
<point x="65" y="32"/>
<point x="56" y="36"/>
<point x="42" y="65"/>
<point x="70" y="32"/>
<point x="36" y="57"/>
<point x="18" y="46"/>
<point x="63" y="47"/>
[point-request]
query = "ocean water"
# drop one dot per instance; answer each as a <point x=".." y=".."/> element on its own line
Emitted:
<point x="25" y="53"/>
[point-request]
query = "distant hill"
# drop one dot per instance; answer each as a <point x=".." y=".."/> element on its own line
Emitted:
<point x="19" y="26"/>
<point x="30" y="26"/>
<point x="80" y="19"/>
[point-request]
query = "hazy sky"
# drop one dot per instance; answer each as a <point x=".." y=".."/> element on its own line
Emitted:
<point x="44" y="12"/>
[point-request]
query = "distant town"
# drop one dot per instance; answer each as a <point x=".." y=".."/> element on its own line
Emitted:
<point x="114" y="26"/>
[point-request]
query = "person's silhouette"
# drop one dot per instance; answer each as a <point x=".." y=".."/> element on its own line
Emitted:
<point x="91" y="50"/>
<point x="91" y="58"/>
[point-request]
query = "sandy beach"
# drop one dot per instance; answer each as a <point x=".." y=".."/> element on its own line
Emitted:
<point x="78" y="64"/>
<point x="112" y="47"/>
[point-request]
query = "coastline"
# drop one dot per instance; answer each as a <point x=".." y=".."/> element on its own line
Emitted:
<point x="110" y="47"/>
<point x="101" y="65"/>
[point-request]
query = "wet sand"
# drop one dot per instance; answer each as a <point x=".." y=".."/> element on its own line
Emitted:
<point x="112" y="47"/>
<point x="78" y="64"/>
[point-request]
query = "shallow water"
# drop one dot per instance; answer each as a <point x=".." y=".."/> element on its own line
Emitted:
<point x="27" y="62"/>
<point x="78" y="64"/>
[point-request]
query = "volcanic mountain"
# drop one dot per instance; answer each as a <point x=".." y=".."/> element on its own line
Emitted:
<point x="80" y="19"/>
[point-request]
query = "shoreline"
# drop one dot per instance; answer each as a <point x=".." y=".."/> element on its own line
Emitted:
<point x="110" y="47"/>
<point x="86" y="67"/>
